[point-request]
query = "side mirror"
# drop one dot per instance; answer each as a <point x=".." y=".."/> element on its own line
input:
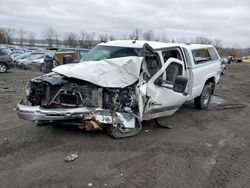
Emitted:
<point x="67" y="59"/>
<point x="180" y="84"/>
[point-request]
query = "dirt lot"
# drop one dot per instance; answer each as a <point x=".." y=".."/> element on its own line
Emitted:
<point x="203" y="149"/>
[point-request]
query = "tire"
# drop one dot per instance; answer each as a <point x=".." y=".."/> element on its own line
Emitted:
<point x="202" y="102"/>
<point x="119" y="132"/>
<point x="3" y="68"/>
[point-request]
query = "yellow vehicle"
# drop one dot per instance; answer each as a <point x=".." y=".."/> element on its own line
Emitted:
<point x="60" y="57"/>
<point x="246" y="59"/>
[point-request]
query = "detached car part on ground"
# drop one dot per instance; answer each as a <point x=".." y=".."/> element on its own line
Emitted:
<point x="125" y="83"/>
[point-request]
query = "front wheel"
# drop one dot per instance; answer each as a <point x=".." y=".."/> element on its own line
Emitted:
<point x="3" y="68"/>
<point x="202" y="102"/>
<point x="118" y="131"/>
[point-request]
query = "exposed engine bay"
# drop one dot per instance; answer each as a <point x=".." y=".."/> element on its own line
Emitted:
<point x="55" y="91"/>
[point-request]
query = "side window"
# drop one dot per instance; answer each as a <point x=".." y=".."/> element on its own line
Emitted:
<point x="214" y="56"/>
<point x="201" y="56"/>
<point x="2" y="53"/>
<point x="174" y="53"/>
<point x="172" y="71"/>
<point x="153" y="62"/>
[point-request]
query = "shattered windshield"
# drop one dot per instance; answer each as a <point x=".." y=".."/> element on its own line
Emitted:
<point x="109" y="52"/>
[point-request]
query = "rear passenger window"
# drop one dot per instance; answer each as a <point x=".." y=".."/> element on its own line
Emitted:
<point x="201" y="56"/>
<point x="204" y="55"/>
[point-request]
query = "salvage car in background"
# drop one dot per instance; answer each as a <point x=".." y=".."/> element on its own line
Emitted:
<point x="246" y="59"/>
<point x="63" y="56"/>
<point x="6" y="62"/>
<point x="122" y="83"/>
<point x="223" y="65"/>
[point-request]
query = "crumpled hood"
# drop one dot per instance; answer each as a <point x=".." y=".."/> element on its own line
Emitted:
<point x="114" y="73"/>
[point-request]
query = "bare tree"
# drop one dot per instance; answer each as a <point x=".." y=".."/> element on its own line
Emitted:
<point x="71" y="39"/>
<point x="21" y="36"/>
<point x="217" y="43"/>
<point x="6" y="35"/>
<point x="87" y="40"/>
<point x="182" y="40"/>
<point x="148" y="35"/>
<point x="9" y="32"/>
<point x="103" y="38"/>
<point x="135" y="35"/>
<point x="57" y="36"/>
<point x="164" y="38"/>
<point x="31" y="38"/>
<point x="124" y="37"/>
<point x="2" y="36"/>
<point x="50" y="35"/>
<point x="111" y="37"/>
<point x="202" y="40"/>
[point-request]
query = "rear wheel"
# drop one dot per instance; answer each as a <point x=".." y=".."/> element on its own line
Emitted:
<point x="202" y="102"/>
<point x="3" y="68"/>
<point x="118" y="131"/>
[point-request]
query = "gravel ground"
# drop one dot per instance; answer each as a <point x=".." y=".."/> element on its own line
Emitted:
<point x="208" y="148"/>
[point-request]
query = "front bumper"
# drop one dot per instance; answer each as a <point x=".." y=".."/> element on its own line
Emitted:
<point x="37" y="113"/>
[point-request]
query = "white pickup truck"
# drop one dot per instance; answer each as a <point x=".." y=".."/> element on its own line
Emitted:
<point x="121" y="83"/>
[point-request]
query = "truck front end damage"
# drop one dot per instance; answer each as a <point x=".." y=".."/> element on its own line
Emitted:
<point x="56" y="98"/>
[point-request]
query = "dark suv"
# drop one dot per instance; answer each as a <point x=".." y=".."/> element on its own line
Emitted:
<point x="6" y="62"/>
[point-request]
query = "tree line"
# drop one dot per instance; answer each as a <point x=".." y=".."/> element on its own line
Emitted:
<point x="53" y="38"/>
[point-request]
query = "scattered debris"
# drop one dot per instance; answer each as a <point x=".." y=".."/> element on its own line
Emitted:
<point x="90" y="184"/>
<point x="147" y="131"/>
<point x="229" y="106"/>
<point x="121" y="174"/>
<point x="5" y="141"/>
<point x="71" y="157"/>
<point x="190" y="166"/>
<point x="5" y="89"/>
<point x="216" y="100"/>
<point x="222" y="142"/>
<point x="208" y="145"/>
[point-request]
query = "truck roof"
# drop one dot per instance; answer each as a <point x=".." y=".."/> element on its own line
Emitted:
<point x="153" y="44"/>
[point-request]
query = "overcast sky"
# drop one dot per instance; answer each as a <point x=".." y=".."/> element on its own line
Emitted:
<point x="228" y="20"/>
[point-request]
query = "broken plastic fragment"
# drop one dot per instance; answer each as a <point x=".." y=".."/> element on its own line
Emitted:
<point x="71" y="157"/>
<point x="90" y="184"/>
<point x="208" y="145"/>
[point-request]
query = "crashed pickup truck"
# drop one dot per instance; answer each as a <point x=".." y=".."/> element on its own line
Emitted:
<point x="121" y="83"/>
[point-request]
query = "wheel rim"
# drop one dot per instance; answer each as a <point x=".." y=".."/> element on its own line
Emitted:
<point x="205" y="97"/>
<point x="2" y="68"/>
